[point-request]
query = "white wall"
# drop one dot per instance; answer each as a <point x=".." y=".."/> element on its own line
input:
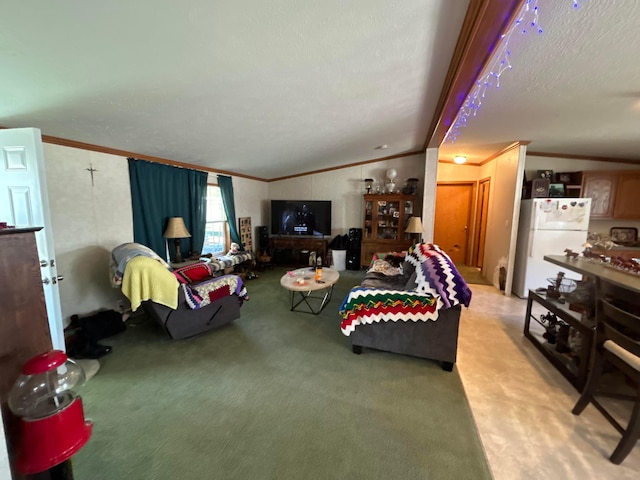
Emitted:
<point x="345" y="187"/>
<point x="90" y="220"/>
<point x="503" y="203"/>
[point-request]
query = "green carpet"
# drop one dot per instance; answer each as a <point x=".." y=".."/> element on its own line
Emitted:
<point x="274" y="395"/>
<point x="472" y="275"/>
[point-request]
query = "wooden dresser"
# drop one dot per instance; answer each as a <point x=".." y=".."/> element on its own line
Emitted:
<point x="24" y="329"/>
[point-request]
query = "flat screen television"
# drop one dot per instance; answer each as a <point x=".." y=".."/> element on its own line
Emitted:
<point x="301" y="217"/>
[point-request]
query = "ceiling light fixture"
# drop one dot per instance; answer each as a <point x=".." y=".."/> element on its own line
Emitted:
<point x="459" y="159"/>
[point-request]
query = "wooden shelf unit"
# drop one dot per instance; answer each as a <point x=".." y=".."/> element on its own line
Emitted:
<point x="288" y="250"/>
<point x="385" y="218"/>
<point x="572" y="363"/>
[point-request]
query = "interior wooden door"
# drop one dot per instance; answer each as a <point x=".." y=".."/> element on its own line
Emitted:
<point x="480" y="228"/>
<point x="454" y="204"/>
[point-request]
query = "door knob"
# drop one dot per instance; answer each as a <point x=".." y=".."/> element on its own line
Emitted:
<point x="57" y="279"/>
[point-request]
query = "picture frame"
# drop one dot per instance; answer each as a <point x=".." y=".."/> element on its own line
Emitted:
<point x="556" y="190"/>
<point x="624" y="234"/>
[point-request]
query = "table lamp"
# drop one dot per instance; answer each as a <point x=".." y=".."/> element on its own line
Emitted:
<point x="176" y="230"/>
<point x="415" y="226"/>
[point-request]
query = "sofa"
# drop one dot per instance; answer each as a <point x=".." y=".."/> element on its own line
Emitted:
<point x="408" y="303"/>
<point x="185" y="302"/>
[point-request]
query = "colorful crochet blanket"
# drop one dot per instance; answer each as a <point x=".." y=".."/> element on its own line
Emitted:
<point x="437" y="275"/>
<point x="202" y="294"/>
<point x="438" y="285"/>
<point x="364" y="305"/>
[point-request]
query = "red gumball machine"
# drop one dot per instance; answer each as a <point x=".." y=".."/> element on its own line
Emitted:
<point x="53" y="427"/>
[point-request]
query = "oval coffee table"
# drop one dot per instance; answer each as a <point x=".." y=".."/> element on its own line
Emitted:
<point x="301" y="281"/>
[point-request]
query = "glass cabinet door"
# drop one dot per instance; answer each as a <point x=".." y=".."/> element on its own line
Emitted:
<point x="388" y="217"/>
<point x="368" y="219"/>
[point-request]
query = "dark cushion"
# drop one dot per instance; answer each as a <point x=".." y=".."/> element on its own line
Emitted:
<point x="411" y="283"/>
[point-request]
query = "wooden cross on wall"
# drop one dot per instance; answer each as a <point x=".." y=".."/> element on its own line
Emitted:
<point x="91" y="170"/>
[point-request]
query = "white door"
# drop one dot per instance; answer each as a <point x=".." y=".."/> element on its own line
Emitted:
<point x="24" y="202"/>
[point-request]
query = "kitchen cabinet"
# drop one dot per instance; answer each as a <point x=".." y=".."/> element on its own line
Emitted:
<point x="385" y="218"/>
<point x="600" y="187"/>
<point x="626" y="204"/>
<point x="613" y="193"/>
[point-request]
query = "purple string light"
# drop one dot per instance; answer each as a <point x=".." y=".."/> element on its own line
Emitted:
<point x="500" y="63"/>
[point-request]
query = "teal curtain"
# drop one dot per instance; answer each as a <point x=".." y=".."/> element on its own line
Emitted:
<point x="159" y="192"/>
<point x="226" y="190"/>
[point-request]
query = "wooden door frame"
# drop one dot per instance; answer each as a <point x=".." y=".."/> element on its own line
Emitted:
<point x="479" y="221"/>
<point x="472" y="208"/>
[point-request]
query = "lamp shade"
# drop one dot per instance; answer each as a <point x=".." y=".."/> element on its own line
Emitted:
<point x="176" y="228"/>
<point x="415" y="225"/>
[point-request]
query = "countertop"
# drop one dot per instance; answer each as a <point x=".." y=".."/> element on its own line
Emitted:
<point x="592" y="268"/>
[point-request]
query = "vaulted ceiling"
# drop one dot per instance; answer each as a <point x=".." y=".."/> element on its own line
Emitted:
<point x="271" y="89"/>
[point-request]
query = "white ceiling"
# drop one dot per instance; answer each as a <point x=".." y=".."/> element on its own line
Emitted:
<point x="260" y="88"/>
<point x="270" y="89"/>
<point x="573" y="89"/>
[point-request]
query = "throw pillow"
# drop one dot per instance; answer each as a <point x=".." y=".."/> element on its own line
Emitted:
<point x="193" y="273"/>
<point x="384" y="267"/>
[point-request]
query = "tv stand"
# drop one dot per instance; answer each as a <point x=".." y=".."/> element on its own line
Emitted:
<point x="287" y="250"/>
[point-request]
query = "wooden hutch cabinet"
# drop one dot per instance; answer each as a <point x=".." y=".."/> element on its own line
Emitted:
<point x="385" y="218"/>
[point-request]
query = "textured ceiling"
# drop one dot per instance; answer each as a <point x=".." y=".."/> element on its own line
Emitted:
<point x="270" y="89"/>
<point x="573" y="89"/>
<point x="265" y="89"/>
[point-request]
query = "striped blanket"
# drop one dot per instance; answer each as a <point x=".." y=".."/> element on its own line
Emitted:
<point x="438" y="276"/>
<point x="364" y="305"/>
<point x="438" y="285"/>
<point x="230" y="260"/>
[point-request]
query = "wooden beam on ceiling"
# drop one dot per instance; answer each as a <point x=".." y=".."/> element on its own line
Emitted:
<point x="482" y="29"/>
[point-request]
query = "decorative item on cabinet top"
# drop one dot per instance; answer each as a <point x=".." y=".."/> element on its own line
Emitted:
<point x="624" y="235"/>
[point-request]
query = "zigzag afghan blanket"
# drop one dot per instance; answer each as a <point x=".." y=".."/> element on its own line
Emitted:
<point x="370" y="305"/>
<point x="437" y="275"/>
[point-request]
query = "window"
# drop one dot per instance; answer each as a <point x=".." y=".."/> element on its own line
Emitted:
<point x="216" y="232"/>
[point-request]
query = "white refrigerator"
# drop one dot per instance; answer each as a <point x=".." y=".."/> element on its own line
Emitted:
<point x="547" y="226"/>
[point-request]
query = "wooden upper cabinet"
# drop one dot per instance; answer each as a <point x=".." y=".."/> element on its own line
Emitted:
<point x="627" y="204"/>
<point x="613" y="194"/>
<point x="600" y="187"/>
